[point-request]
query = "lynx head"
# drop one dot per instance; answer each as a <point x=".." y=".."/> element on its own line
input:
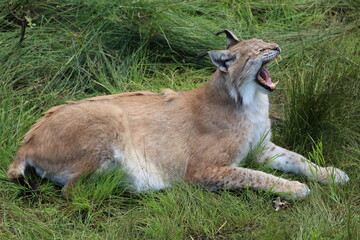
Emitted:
<point x="243" y="65"/>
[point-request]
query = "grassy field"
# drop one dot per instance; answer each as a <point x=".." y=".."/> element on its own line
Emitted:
<point x="54" y="51"/>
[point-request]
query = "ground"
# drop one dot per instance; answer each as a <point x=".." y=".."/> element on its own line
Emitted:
<point x="56" y="51"/>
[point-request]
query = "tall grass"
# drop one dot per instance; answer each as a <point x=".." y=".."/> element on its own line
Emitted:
<point x="323" y="97"/>
<point x="74" y="49"/>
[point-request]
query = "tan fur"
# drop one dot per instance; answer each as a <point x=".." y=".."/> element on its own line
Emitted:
<point x="198" y="136"/>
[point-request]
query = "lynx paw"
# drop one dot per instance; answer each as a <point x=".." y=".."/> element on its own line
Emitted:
<point x="298" y="190"/>
<point x="333" y="175"/>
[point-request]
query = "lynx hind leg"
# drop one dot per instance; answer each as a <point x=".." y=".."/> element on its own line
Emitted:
<point x="287" y="161"/>
<point x="235" y="177"/>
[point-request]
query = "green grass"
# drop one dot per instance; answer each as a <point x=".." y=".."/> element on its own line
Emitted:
<point x="81" y="48"/>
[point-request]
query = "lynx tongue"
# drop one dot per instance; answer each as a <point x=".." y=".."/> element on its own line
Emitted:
<point x="265" y="78"/>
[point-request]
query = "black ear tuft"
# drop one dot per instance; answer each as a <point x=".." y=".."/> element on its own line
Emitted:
<point x="201" y="55"/>
<point x="231" y="39"/>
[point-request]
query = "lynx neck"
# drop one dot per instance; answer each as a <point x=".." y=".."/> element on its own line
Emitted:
<point x="247" y="98"/>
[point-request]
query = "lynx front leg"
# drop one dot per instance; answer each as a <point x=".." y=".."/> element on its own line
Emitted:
<point x="285" y="160"/>
<point x="235" y="177"/>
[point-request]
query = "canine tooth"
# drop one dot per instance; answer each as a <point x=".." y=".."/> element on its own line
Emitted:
<point x="276" y="61"/>
<point x="279" y="57"/>
<point x="276" y="83"/>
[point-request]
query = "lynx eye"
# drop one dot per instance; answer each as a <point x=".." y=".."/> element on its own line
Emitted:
<point x="261" y="50"/>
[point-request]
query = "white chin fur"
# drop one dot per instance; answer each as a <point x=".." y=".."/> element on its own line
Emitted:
<point x="248" y="91"/>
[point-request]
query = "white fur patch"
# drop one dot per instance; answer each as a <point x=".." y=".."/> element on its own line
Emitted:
<point x="247" y="92"/>
<point x="144" y="176"/>
<point x="61" y="178"/>
<point x="255" y="112"/>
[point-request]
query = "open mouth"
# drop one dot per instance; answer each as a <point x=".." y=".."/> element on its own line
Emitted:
<point x="263" y="78"/>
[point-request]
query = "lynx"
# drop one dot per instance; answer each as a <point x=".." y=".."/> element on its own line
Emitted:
<point x="199" y="136"/>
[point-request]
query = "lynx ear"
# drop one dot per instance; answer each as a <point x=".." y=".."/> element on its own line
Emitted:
<point x="223" y="59"/>
<point x="231" y="39"/>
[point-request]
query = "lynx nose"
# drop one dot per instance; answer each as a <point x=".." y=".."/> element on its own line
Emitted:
<point x="277" y="48"/>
